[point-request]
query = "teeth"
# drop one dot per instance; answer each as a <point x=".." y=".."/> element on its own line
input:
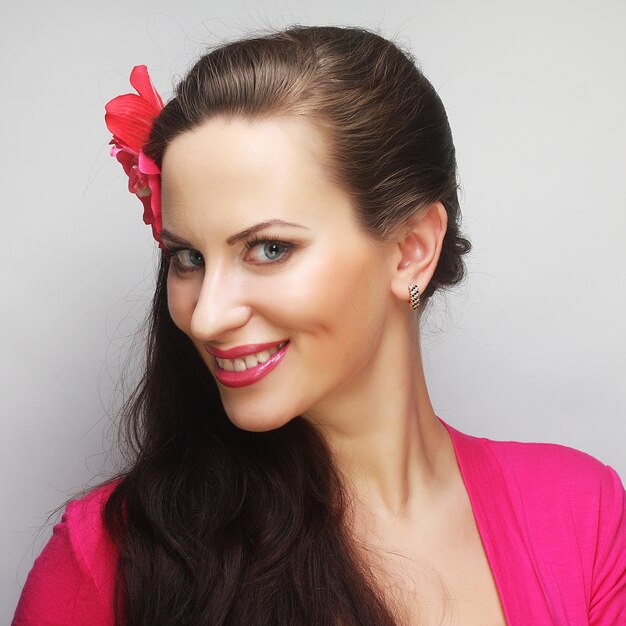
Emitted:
<point x="227" y="365"/>
<point x="262" y="357"/>
<point x="250" y="360"/>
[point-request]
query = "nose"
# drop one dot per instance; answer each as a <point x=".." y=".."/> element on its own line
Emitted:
<point x="221" y="306"/>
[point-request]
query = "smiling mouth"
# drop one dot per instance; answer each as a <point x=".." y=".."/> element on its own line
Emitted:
<point x="249" y="361"/>
<point x="251" y="368"/>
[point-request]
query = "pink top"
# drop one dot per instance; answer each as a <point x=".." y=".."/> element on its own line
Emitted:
<point x="552" y="521"/>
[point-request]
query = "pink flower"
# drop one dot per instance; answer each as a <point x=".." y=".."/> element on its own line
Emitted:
<point x="129" y="118"/>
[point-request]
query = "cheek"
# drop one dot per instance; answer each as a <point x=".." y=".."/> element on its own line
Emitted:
<point x="337" y="296"/>
<point x="182" y="297"/>
<point x="354" y="303"/>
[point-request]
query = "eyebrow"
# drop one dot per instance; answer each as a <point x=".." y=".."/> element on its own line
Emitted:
<point x="165" y="234"/>
<point x="244" y="234"/>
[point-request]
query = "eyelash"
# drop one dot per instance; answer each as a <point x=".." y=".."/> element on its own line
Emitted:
<point x="249" y="245"/>
<point x="172" y="255"/>
<point x="252" y="243"/>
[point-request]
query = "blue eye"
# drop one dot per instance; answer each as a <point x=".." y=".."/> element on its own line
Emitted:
<point x="273" y="250"/>
<point x="186" y="259"/>
<point x="266" y="251"/>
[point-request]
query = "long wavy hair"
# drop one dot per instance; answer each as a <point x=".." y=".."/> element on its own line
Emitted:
<point x="216" y="525"/>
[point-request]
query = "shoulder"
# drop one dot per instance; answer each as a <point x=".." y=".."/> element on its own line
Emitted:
<point x="563" y="509"/>
<point x="554" y="467"/>
<point x="550" y="489"/>
<point x="544" y="469"/>
<point x="557" y="479"/>
<point x="84" y="524"/>
<point x="88" y="537"/>
<point x="73" y="578"/>
<point x="573" y="508"/>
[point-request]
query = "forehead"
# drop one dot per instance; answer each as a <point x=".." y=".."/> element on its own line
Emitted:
<point x="231" y="170"/>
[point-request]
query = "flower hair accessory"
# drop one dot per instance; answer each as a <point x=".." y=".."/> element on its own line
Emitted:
<point x="129" y="117"/>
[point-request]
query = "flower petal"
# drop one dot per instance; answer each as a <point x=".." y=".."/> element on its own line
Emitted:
<point x="129" y="118"/>
<point x="155" y="188"/>
<point x="147" y="165"/>
<point x="126" y="158"/>
<point x="140" y="80"/>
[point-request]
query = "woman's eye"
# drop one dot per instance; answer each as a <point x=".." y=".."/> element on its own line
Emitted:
<point x="267" y="251"/>
<point x="186" y="260"/>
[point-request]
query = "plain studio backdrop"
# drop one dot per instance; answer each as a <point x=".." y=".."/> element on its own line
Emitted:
<point x="531" y="347"/>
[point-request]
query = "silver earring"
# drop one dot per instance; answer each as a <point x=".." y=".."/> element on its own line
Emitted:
<point x="414" y="292"/>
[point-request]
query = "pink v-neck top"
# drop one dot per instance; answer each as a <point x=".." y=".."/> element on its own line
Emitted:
<point x="553" y="525"/>
<point x="552" y="521"/>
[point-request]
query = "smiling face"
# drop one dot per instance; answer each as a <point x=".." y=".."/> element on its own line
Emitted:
<point x="272" y="278"/>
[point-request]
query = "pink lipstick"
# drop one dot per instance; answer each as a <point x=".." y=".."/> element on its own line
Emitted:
<point x="252" y="374"/>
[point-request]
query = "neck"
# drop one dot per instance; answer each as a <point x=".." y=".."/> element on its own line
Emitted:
<point x="388" y="445"/>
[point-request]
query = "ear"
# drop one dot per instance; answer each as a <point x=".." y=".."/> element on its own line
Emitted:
<point x="418" y="249"/>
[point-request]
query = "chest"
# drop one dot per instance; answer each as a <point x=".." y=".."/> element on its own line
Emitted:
<point x="435" y="571"/>
<point x="424" y="591"/>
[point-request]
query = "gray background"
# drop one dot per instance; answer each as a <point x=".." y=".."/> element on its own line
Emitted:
<point x="531" y="347"/>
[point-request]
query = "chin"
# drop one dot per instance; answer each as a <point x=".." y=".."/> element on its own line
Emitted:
<point x="257" y="422"/>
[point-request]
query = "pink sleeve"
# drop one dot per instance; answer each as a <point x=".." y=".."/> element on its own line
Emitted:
<point x="607" y="605"/>
<point x="71" y="582"/>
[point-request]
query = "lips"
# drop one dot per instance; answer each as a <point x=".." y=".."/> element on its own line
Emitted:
<point x="241" y="351"/>
<point x="245" y="365"/>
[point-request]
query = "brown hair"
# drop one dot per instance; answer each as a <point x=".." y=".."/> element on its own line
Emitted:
<point x="217" y="525"/>
<point x="387" y="131"/>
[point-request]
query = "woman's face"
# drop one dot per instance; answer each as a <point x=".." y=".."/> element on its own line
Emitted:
<point x="282" y="293"/>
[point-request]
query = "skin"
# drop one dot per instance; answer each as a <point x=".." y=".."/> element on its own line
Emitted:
<point x="353" y="367"/>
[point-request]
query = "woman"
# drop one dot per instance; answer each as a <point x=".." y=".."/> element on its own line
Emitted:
<point x="290" y="468"/>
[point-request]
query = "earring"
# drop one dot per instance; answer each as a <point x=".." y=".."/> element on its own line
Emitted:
<point x="414" y="293"/>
